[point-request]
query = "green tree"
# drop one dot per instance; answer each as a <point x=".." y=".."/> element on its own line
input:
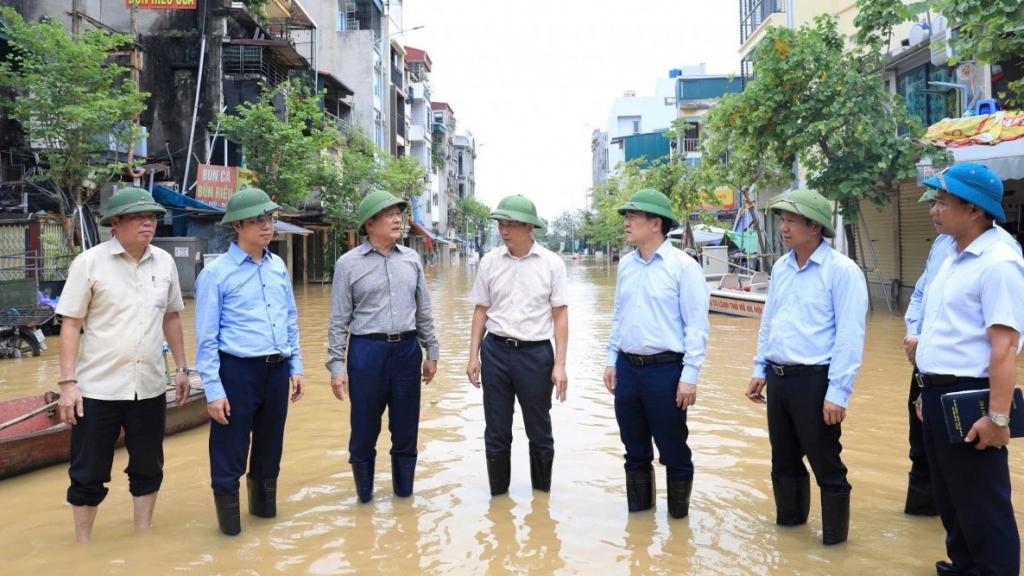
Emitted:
<point x="568" y="226"/>
<point x="68" y="96"/>
<point x="285" y="150"/>
<point x="474" y="214"/>
<point x="367" y="168"/>
<point x="814" y="101"/>
<point x="604" y="225"/>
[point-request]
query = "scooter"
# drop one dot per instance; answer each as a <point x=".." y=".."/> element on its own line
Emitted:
<point x="18" y="341"/>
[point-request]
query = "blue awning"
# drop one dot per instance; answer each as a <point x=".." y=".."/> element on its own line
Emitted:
<point x="171" y="199"/>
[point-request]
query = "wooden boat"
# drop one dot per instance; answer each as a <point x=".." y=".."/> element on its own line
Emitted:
<point x="738" y="294"/>
<point x="32" y="436"/>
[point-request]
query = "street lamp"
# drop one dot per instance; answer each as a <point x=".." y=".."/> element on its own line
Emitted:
<point x="378" y="41"/>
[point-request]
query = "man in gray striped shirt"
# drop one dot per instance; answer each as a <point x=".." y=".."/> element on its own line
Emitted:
<point x="380" y="316"/>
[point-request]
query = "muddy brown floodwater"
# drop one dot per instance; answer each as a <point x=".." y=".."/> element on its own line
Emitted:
<point x="451" y="525"/>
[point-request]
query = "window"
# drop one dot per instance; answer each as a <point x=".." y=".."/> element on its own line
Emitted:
<point x="628" y="125"/>
<point x="929" y="102"/>
<point x="636" y="126"/>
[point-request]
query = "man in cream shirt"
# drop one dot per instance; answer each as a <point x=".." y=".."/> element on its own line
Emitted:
<point x="521" y="298"/>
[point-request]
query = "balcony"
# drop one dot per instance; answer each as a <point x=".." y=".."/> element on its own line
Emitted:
<point x="397" y="79"/>
<point x="755" y="16"/>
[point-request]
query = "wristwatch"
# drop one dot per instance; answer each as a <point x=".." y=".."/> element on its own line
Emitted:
<point x="999" y="419"/>
<point x="186" y="371"/>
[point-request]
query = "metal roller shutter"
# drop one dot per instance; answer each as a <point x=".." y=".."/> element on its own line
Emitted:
<point x="917" y="234"/>
<point x="880" y="229"/>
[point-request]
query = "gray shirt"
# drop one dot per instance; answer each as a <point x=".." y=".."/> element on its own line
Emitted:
<point x="377" y="294"/>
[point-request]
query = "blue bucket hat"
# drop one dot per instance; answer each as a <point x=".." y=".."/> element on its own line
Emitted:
<point x="972" y="183"/>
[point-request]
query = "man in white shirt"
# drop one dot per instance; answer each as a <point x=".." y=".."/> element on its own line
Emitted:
<point x="970" y="339"/>
<point x="521" y="299"/>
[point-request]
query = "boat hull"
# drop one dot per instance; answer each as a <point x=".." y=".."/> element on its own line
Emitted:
<point x="737" y="303"/>
<point x="43" y="439"/>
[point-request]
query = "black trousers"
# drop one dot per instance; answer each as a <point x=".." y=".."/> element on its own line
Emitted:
<point x="507" y="373"/>
<point x="92" y="447"/>
<point x="918" y="455"/>
<point x="797" y="428"/>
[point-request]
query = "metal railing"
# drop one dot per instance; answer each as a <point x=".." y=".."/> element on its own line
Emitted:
<point x="754" y="12"/>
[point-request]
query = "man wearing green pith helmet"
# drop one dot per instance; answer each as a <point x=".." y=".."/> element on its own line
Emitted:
<point x="656" y="350"/>
<point x="521" y="297"/>
<point x="380" y="319"/>
<point x="247" y="342"/>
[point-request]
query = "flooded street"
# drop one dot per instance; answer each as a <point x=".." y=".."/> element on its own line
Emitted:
<point x="451" y="525"/>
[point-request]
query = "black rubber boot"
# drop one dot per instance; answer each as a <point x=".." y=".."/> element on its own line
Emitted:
<point x="229" y="517"/>
<point x="262" y="497"/>
<point x="920" y="500"/>
<point x="679" y="498"/>
<point x="792" y="499"/>
<point x="640" y="490"/>
<point x="835" y="517"/>
<point x="363" y="474"/>
<point x="499" y="472"/>
<point x="403" y="472"/>
<point x="540" y="471"/>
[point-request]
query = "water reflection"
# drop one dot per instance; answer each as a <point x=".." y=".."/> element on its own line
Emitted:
<point x="451" y="525"/>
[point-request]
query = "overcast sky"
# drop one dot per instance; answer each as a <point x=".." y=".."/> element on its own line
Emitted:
<point x="531" y="79"/>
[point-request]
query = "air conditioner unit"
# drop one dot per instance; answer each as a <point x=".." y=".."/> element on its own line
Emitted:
<point x="941" y="34"/>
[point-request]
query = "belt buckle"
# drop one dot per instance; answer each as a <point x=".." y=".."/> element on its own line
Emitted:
<point x="271" y="358"/>
<point x="778" y="370"/>
<point x="920" y="380"/>
<point x="395" y="337"/>
<point x="512" y="342"/>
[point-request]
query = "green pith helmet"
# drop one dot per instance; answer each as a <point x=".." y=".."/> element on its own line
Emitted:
<point x="517" y="208"/>
<point x="248" y="203"/>
<point x="373" y="204"/>
<point x="653" y="202"/>
<point x="130" y="201"/>
<point x="809" y="204"/>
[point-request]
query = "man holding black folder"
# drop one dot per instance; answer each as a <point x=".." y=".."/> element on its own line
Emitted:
<point x="970" y="337"/>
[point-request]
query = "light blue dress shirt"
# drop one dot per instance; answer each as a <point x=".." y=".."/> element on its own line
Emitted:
<point x="244" y="309"/>
<point x="972" y="291"/>
<point x="661" y="306"/>
<point x="915" y="310"/>
<point x="815" y="315"/>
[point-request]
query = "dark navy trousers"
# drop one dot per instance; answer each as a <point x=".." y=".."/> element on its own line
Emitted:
<point x="972" y="493"/>
<point x="257" y="392"/>
<point x="507" y="372"/>
<point x="797" y="428"/>
<point x="645" y="408"/>
<point x="384" y="375"/>
<point x="918" y="455"/>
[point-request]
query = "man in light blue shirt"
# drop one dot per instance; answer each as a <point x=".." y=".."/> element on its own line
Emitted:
<point x="920" y="500"/>
<point x="808" y="353"/>
<point x="970" y="338"/>
<point x="655" y="352"/>
<point x="247" y="342"/>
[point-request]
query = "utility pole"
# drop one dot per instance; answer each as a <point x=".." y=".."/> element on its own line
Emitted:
<point x="76" y="17"/>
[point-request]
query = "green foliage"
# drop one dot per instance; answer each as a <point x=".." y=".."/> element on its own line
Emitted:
<point x="604" y="225"/>
<point x="286" y="151"/>
<point x="367" y="168"/>
<point x="876" y="20"/>
<point x="989" y="30"/>
<point x="473" y="213"/>
<point x="570" y="225"/>
<point x="816" y="101"/>
<point x="67" y="97"/>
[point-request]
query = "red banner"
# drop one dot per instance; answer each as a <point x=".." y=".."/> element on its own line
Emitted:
<point x="161" y="4"/>
<point x="215" y="184"/>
